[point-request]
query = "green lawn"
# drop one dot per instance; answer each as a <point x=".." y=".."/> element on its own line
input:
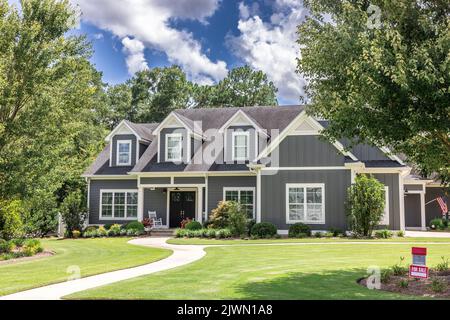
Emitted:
<point x="327" y="271"/>
<point x="305" y="240"/>
<point x="92" y="256"/>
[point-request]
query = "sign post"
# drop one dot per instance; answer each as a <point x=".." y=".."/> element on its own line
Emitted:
<point x="418" y="268"/>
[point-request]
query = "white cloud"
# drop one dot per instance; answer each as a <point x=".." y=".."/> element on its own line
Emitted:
<point x="271" y="46"/>
<point x="148" y="21"/>
<point x="134" y="51"/>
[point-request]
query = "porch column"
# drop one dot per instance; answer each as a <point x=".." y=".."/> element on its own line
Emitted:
<point x="140" y="208"/>
<point x="258" y="195"/>
<point x="422" y="210"/>
<point x="200" y="204"/>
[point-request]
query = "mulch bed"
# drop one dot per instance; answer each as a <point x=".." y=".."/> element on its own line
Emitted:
<point x="417" y="287"/>
<point x="46" y="253"/>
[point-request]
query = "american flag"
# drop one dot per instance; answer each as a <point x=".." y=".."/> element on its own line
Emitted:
<point x="442" y="204"/>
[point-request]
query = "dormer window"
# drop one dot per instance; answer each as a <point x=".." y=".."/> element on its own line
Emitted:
<point x="124" y="152"/>
<point x="174" y="147"/>
<point x="240" y="145"/>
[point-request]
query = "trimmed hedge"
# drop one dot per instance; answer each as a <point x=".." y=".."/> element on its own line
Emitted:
<point x="299" y="230"/>
<point x="135" y="225"/>
<point x="193" y="225"/>
<point x="264" y="230"/>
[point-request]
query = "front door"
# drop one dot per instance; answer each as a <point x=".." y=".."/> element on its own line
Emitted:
<point x="182" y="206"/>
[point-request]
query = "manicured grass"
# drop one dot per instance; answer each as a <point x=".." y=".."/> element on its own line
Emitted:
<point x="92" y="256"/>
<point x="305" y="240"/>
<point x="326" y="271"/>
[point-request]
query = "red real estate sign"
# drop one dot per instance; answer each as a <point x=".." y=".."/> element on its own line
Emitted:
<point x="418" y="271"/>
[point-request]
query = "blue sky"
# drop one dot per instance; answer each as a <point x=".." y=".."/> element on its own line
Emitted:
<point x="206" y="38"/>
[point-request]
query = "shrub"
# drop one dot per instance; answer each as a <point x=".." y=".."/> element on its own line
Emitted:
<point x="383" y="234"/>
<point x="318" y="234"/>
<point x="237" y="219"/>
<point x="211" y="233"/>
<point x="299" y="228"/>
<point x="6" y="246"/>
<point x="219" y="218"/>
<point x="40" y="213"/>
<point x="437" y="224"/>
<point x="328" y="235"/>
<point x="73" y="211"/>
<point x="10" y="219"/>
<point x="223" y="233"/>
<point x="76" y="234"/>
<point x="337" y="232"/>
<point x="90" y="229"/>
<point x="135" y="225"/>
<point x="250" y="224"/>
<point x="101" y="231"/>
<point x="18" y="242"/>
<point x="264" y="230"/>
<point x="398" y="269"/>
<point x="31" y="247"/>
<point x="442" y="266"/>
<point x="386" y="275"/>
<point x="123" y="232"/>
<point x="193" y="225"/>
<point x="438" y="285"/>
<point x="400" y="234"/>
<point x="403" y="284"/>
<point x="365" y="205"/>
<point x="114" y="230"/>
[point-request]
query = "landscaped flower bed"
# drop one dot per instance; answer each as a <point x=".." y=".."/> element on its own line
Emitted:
<point x="18" y="248"/>
<point x="133" y="228"/>
<point x="396" y="279"/>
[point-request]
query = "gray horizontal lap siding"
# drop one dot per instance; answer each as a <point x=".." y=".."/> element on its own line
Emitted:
<point x="162" y="140"/>
<point x="155" y="180"/>
<point x="308" y="151"/>
<point x="94" y="197"/>
<point x="273" y="196"/>
<point x="117" y="137"/>
<point x="189" y="180"/>
<point x="413" y="187"/>
<point x="216" y="185"/>
<point x="156" y="200"/>
<point x="391" y="180"/>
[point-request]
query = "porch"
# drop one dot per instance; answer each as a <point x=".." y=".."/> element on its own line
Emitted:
<point x="172" y="202"/>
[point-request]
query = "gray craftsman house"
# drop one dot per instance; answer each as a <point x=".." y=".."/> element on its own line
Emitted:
<point x="270" y="159"/>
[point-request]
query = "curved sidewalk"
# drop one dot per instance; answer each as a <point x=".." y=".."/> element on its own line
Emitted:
<point x="182" y="255"/>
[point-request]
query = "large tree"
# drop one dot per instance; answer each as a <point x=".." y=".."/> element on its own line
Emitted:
<point x="156" y="92"/>
<point x="241" y="88"/>
<point x="49" y="96"/>
<point x="379" y="70"/>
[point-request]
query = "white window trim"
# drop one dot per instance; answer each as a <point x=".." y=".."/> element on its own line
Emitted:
<point x="305" y="185"/>
<point x="247" y="136"/>
<point x="385" y="220"/>
<point x="129" y="142"/>
<point x="173" y="135"/>
<point x="113" y="191"/>
<point x="239" y="189"/>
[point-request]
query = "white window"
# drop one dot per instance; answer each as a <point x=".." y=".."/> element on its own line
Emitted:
<point x="173" y="146"/>
<point x="240" y="145"/>
<point x="121" y="205"/>
<point x="245" y="196"/>
<point x="385" y="219"/>
<point x="305" y="203"/>
<point x="123" y="152"/>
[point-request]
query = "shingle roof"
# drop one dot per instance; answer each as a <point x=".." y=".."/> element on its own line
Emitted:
<point x="144" y="130"/>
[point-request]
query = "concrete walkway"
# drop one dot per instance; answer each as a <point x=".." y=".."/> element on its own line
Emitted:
<point x="427" y="234"/>
<point x="182" y="254"/>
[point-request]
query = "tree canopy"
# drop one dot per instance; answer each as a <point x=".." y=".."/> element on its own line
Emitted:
<point x="49" y="94"/>
<point x="379" y="71"/>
